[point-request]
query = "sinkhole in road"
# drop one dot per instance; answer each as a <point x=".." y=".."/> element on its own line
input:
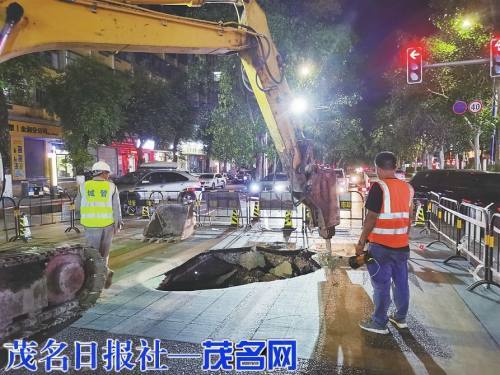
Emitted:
<point x="224" y="268"/>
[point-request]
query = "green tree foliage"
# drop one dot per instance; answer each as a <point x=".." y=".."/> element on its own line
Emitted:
<point x="18" y="79"/>
<point x="419" y="118"/>
<point x="89" y="98"/>
<point x="303" y="32"/>
<point x="158" y="109"/>
<point x="235" y="123"/>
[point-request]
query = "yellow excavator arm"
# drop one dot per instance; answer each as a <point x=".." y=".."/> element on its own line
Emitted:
<point x="116" y="26"/>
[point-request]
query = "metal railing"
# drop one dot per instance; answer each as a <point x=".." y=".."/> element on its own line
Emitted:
<point x="18" y="217"/>
<point x="144" y="202"/>
<point x="494" y="244"/>
<point x="470" y="231"/>
<point x="349" y="204"/>
<point x="222" y="207"/>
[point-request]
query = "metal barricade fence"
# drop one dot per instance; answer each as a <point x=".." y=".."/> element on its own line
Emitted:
<point x="433" y="218"/>
<point x="9" y="217"/>
<point x="44" y="210"/>
<point x="223" y="207"/>
<point x="478" y="243"/>
<point x="18" y="217"/>
<point x="347" y="203"/>
<point x="278" y="211"/>
<point x="475" y="229"/>
<point x="494" y="244"/>
<point x="468" y="230"/>
<point x="447" y="219"/>
<point x="144" y="202"/>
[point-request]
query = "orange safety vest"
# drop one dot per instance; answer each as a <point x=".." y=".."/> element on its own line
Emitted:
<point x="391" y="228"/>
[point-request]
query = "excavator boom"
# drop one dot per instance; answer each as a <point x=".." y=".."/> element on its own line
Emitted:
<point x="122" y="27"/>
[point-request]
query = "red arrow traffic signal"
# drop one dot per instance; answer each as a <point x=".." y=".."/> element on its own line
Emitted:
<point x="414" y="65"/>
<point x="495" y="57"/>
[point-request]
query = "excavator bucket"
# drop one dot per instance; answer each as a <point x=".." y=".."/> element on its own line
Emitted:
<point x="322" y="199"/>
<point x="171" y="221"/>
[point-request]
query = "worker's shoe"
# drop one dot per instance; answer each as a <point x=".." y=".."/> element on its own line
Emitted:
<point x="400" y="323"/>
<point x="109" y="279"/>
<point x="370" y="326"/>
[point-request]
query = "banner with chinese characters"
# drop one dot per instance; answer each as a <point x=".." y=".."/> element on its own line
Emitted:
<point x="18" y="159"/>
<point x="27" y="129"/>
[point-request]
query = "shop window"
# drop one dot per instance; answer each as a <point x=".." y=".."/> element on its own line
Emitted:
<point x="174" y="177"/>
<point x="64" y="166"/>
<point x="153" y="179"/>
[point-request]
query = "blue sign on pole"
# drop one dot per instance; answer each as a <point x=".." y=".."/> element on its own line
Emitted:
<point x="460" y="107"/>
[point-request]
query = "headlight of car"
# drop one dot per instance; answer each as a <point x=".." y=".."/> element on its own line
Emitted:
<point x="254" y="188"/>
<point x="279" y="188"/>
<point x="354" y="179"/>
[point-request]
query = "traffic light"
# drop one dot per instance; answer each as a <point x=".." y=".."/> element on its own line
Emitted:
<point x="414" y="65"/>
<point x="495" y="57"/>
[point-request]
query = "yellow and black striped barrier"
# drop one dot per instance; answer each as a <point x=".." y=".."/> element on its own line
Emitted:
<point x="420" y="216"/>
<point x="145" y="212"/>
<point x="288" y="221"/>
<point x="256" y="212"/>
<point x="235" y="218"/>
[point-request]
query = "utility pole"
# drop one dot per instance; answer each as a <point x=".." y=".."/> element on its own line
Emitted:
<point x="493" y="5"/>
<point x="496" y="103"/>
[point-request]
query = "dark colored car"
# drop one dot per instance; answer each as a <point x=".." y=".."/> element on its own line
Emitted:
<point x="242" y="178"/>
<point x="481" y="188"/>
<point x="278" y="182"/>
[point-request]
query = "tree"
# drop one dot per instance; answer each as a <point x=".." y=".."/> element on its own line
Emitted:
<point x="302" y="33"/>
<point x="180" y="121"/>
<point x="419" y="117"/>
<point x="305" y="34"/>
<point x="158" y="110"/>
<point x="18" y="79"/>
<point x="233" y="126"/>
<point x="455" y="42"/>
<point x="89" y="98"/>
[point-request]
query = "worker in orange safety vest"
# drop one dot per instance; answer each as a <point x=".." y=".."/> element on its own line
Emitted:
<point x="386" y="229"/>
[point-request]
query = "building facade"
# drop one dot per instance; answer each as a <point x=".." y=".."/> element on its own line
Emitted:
<point x="34" y="137"/>
<point x="38" y="138"/>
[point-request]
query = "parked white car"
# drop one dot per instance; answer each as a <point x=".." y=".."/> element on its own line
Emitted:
<point x="212" y="180"/>
<point x="156" y="184"/>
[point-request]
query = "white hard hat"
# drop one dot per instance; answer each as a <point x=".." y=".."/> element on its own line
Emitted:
<point x="101" y="166"/>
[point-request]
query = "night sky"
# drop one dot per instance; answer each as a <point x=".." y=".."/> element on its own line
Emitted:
<point x="377" y="24"/>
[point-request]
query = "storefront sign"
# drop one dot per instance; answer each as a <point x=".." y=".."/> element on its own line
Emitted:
<point x="192" y="148"/>
<point x="19" y="128"/>
<point x="17" y="152"/>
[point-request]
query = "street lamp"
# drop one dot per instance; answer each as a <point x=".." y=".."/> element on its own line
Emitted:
<point x="299" y="105"/>
<point x="305" y="70"/>
<point x="467" y="23"/>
